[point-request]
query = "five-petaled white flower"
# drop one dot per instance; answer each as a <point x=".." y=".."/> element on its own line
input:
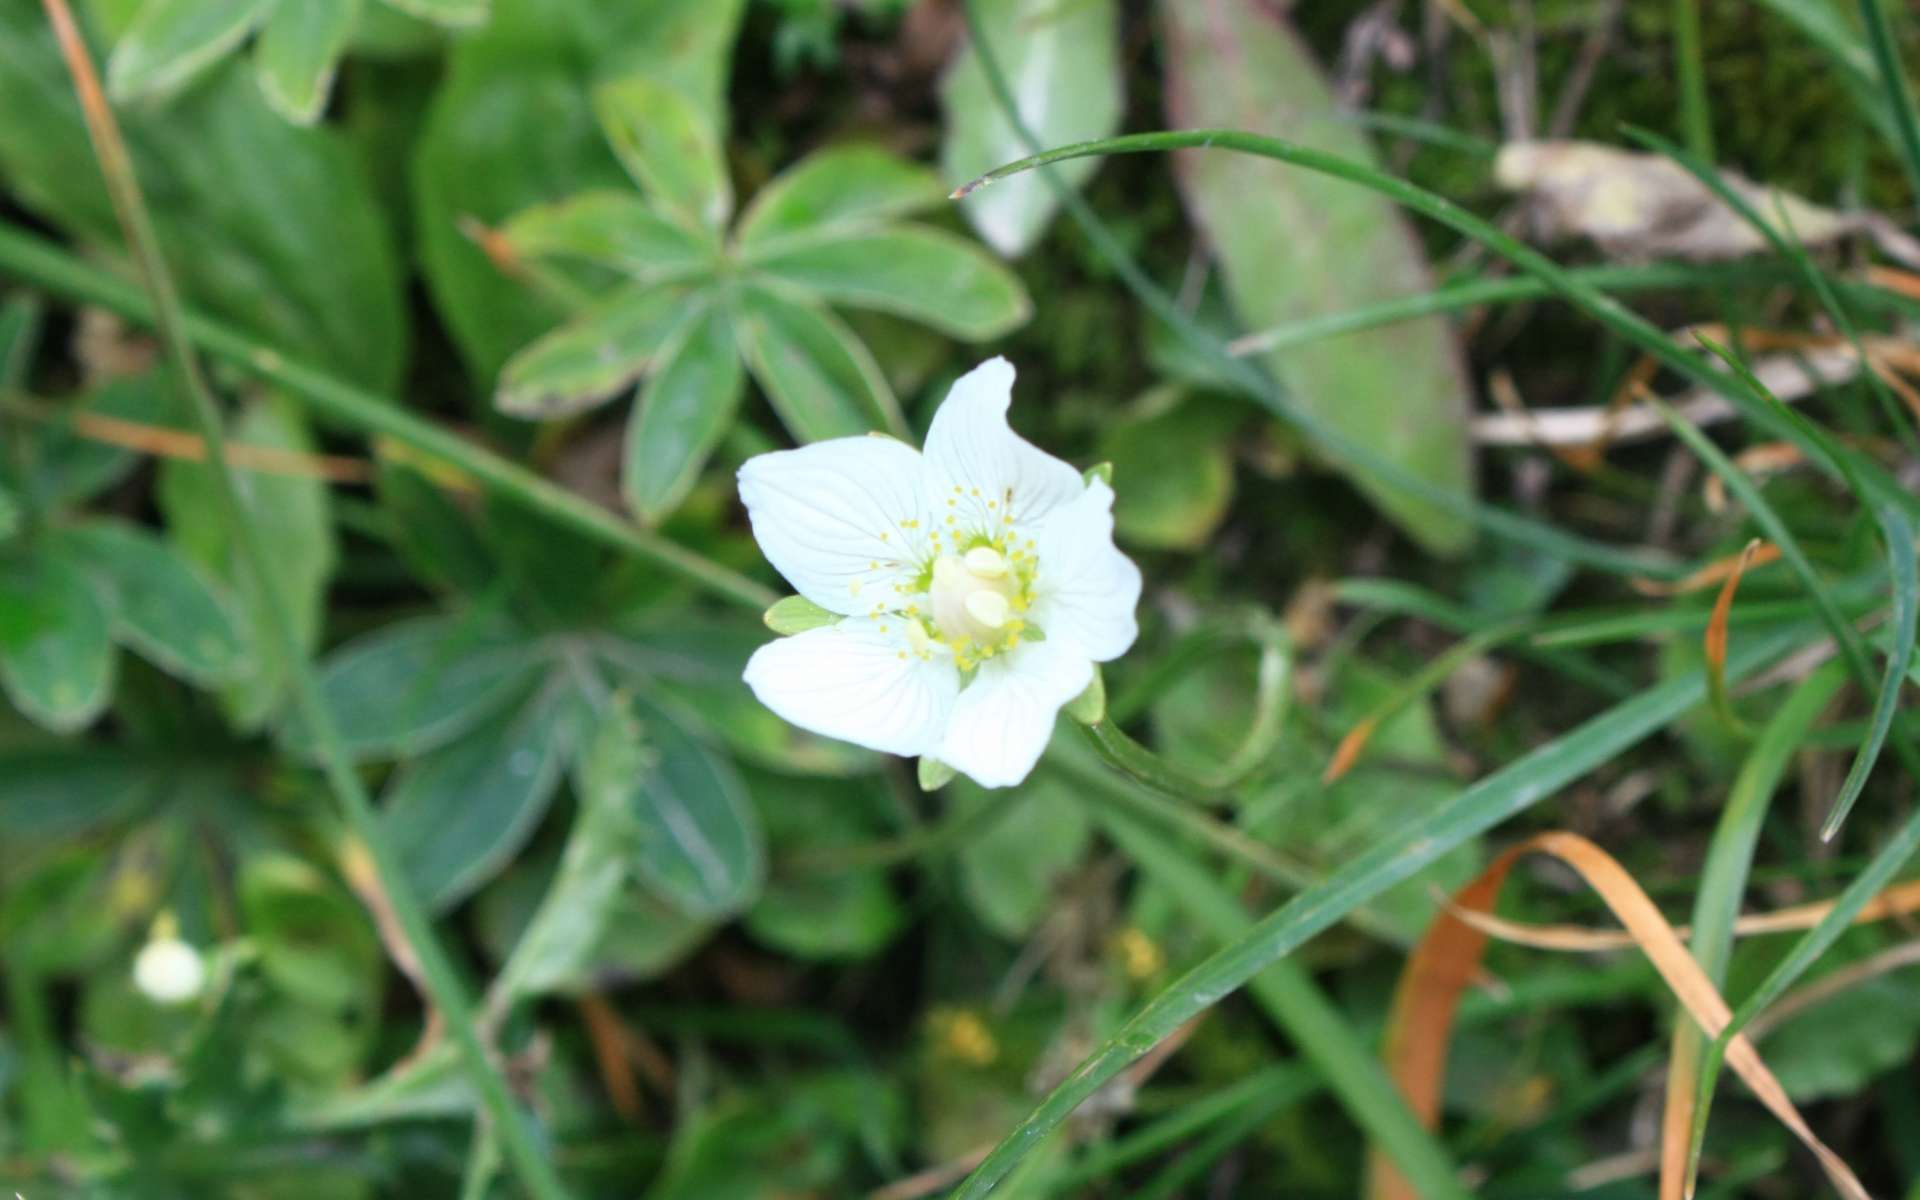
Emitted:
<point x="978" y="584"/>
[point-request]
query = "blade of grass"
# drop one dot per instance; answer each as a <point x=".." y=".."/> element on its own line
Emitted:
<point x="1694" y="118"/>
<point x="1289" y="995"/>
<point x="449" y="994"/>
<point x="1631" y="327"/>
<point x="1723" y="881"/>
<point x="1715" y="642"/>
<point x="1448" y="956"/>
<point x="1893" y="85"/>
<point x="1496" y="798"/>
<point x="38" y="262"/>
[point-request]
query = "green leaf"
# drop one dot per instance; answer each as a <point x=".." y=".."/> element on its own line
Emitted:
<point x="594" y="357"/>
<point x="670" y="147"/>
<point x="173" y="40"/>
<point x="457" y="815"/>
<point x="56" y="653"/>
<point x="160" y="604"/>
<point x="797" y="614"/>
<point x="1292" y="243"/>
<point x="928" y="275"/>
<point x="513" y="126"/>
<point x="843" y="913"/>
<point x="54" y="795"/>
<point x="9" y="513"/>
<point x="1063" y="63"/>
<point x="817" y="375"/>
<point x="314" y="941"/>
<point x="840" y="190"/>
<point x="611" y="229"/>
<point x="1176" y="456"/>
<point x="431" y="531"/>
<point x="1011" y="872"/>
<point x="699" y="845"/>
<point x="298" y="511"/>
<point x="932" y="774"/>
<point x="417" y="685"/>
<point x="686" y="409"/>
<point x="299" y="51"/>
<point x="22" y="317"/>
<point x="240" y="240"/>
<point x="63" y="467"/>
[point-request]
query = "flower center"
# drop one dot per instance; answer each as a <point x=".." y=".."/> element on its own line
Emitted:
<point x="978" y="598"/>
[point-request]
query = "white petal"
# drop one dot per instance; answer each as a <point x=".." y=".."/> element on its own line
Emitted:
<point x="1004" y="718"/>
<point x="974" y="458"/>
<point x="1086" y="590"/>
<point x="834" y="518"/>
<point x="857" y="681"/>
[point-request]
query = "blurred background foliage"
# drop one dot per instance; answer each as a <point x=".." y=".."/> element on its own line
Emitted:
<point x="622" y="245"/>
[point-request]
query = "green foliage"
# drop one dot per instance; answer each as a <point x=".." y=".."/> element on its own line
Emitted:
<point x="715" y="955"/>
<point x="699" y="301"/>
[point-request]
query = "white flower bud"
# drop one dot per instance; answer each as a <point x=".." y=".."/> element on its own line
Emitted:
<point x="169" y="971"/>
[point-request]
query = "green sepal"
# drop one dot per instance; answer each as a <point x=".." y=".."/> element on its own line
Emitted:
<point x="1101" y="471"/>
<point x="934" y="774"/>
<point x="797" y="614"/>
<point x="1090" y="706"/>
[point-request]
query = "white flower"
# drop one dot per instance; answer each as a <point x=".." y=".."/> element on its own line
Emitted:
<point x="169" y="970"/>
<point x="979" y="584"/>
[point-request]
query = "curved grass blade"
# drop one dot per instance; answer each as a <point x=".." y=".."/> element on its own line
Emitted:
<point x="1496" y="798"/>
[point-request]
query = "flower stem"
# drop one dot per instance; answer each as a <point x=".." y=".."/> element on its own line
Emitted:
<point x="449" y="996"/>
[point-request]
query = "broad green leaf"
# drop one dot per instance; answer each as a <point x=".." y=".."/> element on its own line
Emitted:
<point x="1292" y="243"/>
<point x="297" y="512"/>
<point x="241" y="240"/>
<point x="836" y="191"/>
<point x="62" y="466"/>
<point x="513" y="126"/>
<point x="841" y="912"/>
<point x="594" y="357"/>
<point x="57" y="794"/>
<point x="1176" y="461"/>
<point x="1062" y="62"/>
<point x="299" y="51"/>
<point x="432" y="531"/>
<point x="929" y="275"/>
<point x="458" y="814"/>
<point x="699" y="845"/>
<point x="1011" y="872"/>
<point x="172" y="40"/>
<point x="314" y="940"/>
<point x="686" y="409"/>
<point x="670" y="147"/>
<point x="56" y="650"/>
<point x="417" y="685"/>
<point x="160" y="605"/>
<point x="612" y="229"/>
<point x="797" y="614"/>
<point x="815" y="372"/>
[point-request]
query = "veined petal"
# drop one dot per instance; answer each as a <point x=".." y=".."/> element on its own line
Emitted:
<point x="844" y="520"/>
<point x="1003" y="719"/>
<point x="1086" y="591"/>
<point x="980" y="472"/>
<point x="858" y="681"/>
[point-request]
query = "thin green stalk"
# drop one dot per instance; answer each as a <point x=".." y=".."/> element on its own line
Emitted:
<point x="1473" y="293"/>
<point x="1893" y="83"/>
<point x="1723" y="880"/>
<point x="1604" y="309"/>
<point x="38" y="262"/>
<point x="1268" y="1091"/>
<point x="1347" y="1064"/>
<point x="1131" y="758"/>
<point x="1694" y="118"/>
<point x="442" y="982"/>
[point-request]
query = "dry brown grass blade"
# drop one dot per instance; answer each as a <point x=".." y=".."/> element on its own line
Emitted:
<point x="1446" y="958"/>
<point x="1349" y="750"/>
<point x="1897" y="901"/>
<point x="1714" y="574"/>
<point x="1715" y="641"/>
<point x="162" y="442"/>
